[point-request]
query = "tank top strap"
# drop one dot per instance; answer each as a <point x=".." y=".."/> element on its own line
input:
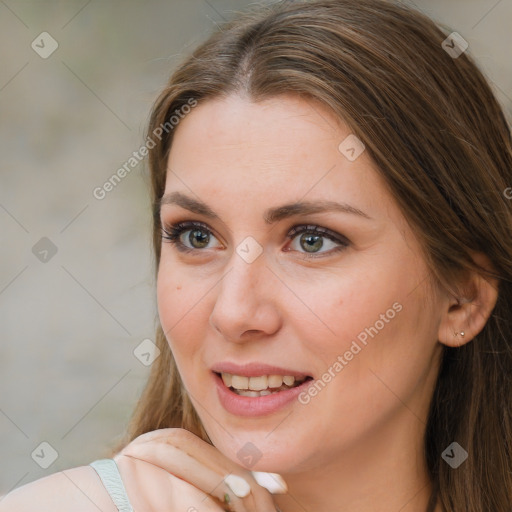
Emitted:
<point x="111" y="478"/>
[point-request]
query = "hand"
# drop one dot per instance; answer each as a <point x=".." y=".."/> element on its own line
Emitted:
<point x="186" y="456"/>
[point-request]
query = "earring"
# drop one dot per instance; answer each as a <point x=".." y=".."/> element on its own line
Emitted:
<point x="462" y="334"/>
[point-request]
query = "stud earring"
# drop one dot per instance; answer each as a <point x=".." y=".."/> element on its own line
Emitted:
<point x="462" y="334"/>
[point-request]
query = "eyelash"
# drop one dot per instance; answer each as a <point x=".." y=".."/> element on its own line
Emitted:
<point x="173" y="232"/>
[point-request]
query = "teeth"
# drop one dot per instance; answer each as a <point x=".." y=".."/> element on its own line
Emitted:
<point x="263" y="383"/>
<point x="258" y="383"/>
<point x="275" y="381"/>
<point x="244" y="392"/>
<point x="239" y="382"/>
<point x="289" y="380"/>
<point x="226" y="377"/>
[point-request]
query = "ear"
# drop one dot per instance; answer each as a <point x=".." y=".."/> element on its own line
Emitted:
<point x="469" y="314"/>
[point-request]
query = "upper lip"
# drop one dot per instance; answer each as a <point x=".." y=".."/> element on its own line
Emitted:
<point x="255" y="369"/>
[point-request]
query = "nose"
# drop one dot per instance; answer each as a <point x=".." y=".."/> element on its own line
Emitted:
<point x="246" y="305"/>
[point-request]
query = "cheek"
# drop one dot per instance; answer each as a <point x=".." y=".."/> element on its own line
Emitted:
<point x="180" y="303"/>
<point x="168" y="290"/>
<point x="352" y="305"/>
<point x="393" y="373"/>
<point x="182" y="308"/>
<point x="375" y="319"/>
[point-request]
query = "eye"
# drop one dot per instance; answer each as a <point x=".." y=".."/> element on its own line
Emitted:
<point x="313" y="238"/>
<point x="199" y="237"/>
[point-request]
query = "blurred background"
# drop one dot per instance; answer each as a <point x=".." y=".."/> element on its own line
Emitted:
<point x="77" y="305"/>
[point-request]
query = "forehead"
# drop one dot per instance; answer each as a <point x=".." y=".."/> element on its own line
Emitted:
<point x="265" y="139"/>
<point x="248" y="116"/>
<point x="233" y="151"/>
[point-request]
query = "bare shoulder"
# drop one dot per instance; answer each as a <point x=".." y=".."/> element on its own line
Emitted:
<point x="149" y="488"/>
<point x="78" y="489"/>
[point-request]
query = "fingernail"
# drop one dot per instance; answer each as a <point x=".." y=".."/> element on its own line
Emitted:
<point x="238" y="485"/>
<point x="273" y="482"/>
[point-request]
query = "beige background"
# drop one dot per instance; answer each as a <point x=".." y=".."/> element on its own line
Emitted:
<point x="69" y="326"/>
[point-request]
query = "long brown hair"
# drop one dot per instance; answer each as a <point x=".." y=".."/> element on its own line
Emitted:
<point x="440" y="140"/>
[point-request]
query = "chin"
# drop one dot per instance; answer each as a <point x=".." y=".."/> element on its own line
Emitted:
<point x="259" y="451"/>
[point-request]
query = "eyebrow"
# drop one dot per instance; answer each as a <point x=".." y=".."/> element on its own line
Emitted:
<point x="271" y="215"/>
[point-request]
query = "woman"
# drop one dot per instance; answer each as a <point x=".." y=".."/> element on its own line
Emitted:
<point x="333" y="249"/>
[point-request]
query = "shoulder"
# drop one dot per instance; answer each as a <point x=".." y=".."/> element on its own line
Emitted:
<point x="78" y="489"/>
<point x="149" y="488"/>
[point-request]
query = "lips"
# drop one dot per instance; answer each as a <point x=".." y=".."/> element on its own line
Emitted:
<point x="248" y="402"/>
<point x="257" y="370"/>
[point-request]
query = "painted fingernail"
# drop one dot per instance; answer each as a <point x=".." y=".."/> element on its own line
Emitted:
<point x="238" y="485"/>
<point x="273" y="482"/>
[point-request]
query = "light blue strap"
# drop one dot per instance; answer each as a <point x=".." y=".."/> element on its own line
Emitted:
<point x="111" y="478"/>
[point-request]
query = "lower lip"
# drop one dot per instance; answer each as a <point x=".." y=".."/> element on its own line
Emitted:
<point x="256" y="405"/>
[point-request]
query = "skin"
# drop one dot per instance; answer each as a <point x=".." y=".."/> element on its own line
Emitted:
<point x="357" y="444"/>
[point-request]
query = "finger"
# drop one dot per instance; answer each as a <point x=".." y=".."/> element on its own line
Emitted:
<point x="182" y="465"/>
<point x="273" y="482"/>
<point x="206" y="456"/>
<point x="210" y="456"/>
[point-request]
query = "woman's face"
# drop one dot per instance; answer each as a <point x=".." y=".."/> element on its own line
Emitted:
<point x="347" y="306"/>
